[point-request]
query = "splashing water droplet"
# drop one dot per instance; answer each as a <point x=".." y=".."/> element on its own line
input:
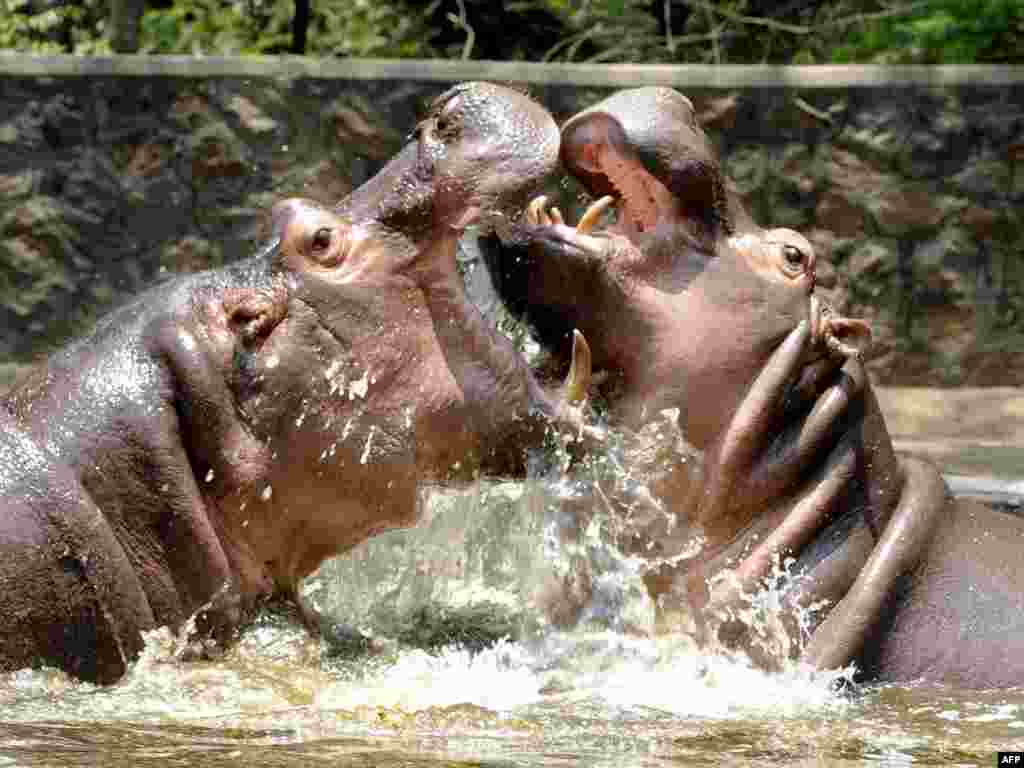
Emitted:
<point x="366" y="450"/>
<point x="332" y="369"/>
<point x="359" y="387"/>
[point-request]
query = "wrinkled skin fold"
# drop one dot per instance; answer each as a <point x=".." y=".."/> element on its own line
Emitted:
<point x="207" y="445"/>
<point x="688" y="305"/>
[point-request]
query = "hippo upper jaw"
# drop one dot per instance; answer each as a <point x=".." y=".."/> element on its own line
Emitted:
<point x="479" y="154"/>
<point x="645" y="147"/>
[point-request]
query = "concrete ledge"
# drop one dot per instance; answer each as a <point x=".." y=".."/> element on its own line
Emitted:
<point x="607" y="75"/>
<point x="1007" y="494"/>
<point x="973" y="414"/>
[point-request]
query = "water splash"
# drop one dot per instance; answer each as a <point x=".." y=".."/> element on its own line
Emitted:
<point x="500" y="678"/>
<point x="499" y="547"/>
<point x="462" y="605"/>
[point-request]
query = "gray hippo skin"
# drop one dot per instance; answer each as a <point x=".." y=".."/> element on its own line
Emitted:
<point x="690" y="305"/>
<point x="207" y="445"/>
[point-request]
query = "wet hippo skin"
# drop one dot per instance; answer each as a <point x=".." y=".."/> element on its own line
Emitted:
<point x="208" y="444"/>
<point x="689" y="305"/>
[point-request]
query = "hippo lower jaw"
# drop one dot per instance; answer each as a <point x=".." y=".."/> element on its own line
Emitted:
<point x="856" y="521"/>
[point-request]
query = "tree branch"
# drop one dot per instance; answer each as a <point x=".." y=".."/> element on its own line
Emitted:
<point x="752" y="20"/>
<point x="716" y="49"/>
<point x="300" y="26"/>
<point x="462" y="22"/>
<point x="858" y="18"/>
<point x="799" y="29"/>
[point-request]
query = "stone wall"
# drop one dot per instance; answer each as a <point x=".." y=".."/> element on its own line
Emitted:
<point x="909" y="185"/>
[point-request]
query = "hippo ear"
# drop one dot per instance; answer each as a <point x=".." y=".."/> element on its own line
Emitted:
<point x="254" y="312"/>
<point x="282" y="213"/>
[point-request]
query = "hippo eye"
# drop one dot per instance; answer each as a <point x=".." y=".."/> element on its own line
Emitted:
<point x="794" y="257"/>
<point x="445" y="118"/>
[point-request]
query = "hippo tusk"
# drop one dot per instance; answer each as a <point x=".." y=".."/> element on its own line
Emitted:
<point x="577" y="384"/>
<point x="536" y="211"/>
<point x="593" y="214"/>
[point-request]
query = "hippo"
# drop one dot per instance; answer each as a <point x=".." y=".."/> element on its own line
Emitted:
<point x="697" y="314"/>
<point x="208" y="444"/>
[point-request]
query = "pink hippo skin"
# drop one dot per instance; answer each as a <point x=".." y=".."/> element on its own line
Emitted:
<point x="207" y="445"/>
<point x="688" y="305"/>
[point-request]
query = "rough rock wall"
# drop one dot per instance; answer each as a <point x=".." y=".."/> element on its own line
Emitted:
<point x="912" y="194"/>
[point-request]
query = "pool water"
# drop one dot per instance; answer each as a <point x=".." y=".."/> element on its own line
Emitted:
<point x="442" y="690"/>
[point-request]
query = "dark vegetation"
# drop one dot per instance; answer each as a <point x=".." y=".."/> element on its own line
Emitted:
<point x="662" y="31"/>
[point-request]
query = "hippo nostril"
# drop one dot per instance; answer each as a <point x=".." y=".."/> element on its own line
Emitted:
<point x="322" y="239"/>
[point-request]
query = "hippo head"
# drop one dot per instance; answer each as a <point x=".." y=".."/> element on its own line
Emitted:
<point x="682" y="297"/>
<point x="359" y="370"/>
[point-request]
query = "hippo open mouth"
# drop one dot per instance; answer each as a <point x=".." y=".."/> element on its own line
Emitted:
<point x="597" y="156"/>
<point x="645" y="148"/>
<point x="644" y="155"/>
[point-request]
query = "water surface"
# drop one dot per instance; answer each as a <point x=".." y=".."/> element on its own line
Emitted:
<point x="441" y="692"/>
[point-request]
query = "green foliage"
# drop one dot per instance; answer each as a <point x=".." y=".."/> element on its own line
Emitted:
<point x="607" y="31"/>
<point x="368" y="28"/>
<point x="655" y="31"/>
<point x="615" y="7"/>
<point x="20" y="28"/>
<point x="60" y="28"/>
<point x="941" y="32"/>
<point x="198" y="27"/>
<point x="358" y="28"/>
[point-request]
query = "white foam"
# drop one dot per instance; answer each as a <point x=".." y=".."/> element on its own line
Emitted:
<point x="499" y="678"/>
